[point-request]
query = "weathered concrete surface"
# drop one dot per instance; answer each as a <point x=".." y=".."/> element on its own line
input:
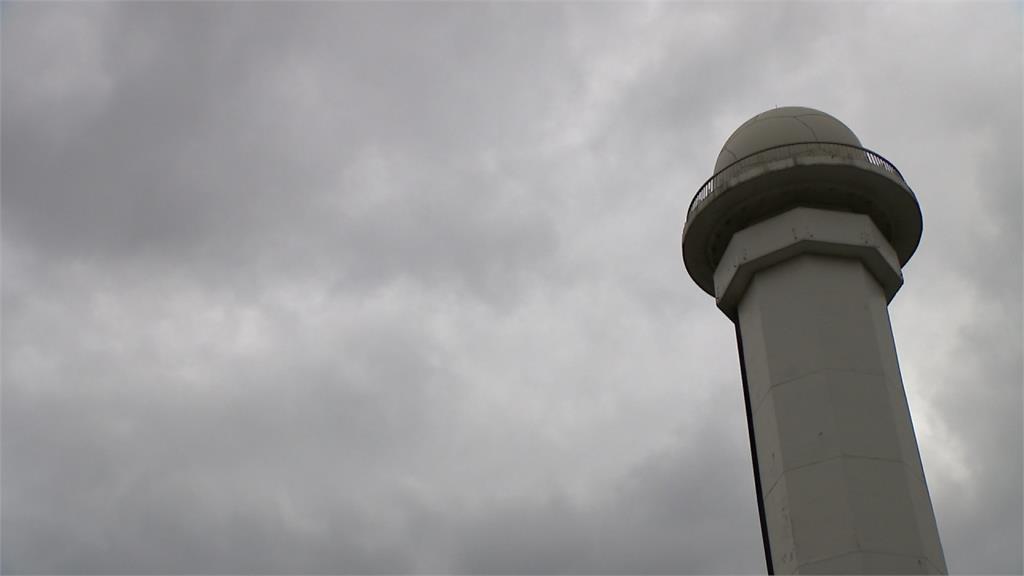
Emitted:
<point x="841" y="476"/>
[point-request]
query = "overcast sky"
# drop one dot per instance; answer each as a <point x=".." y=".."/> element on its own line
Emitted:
<point x="396" y="287"/>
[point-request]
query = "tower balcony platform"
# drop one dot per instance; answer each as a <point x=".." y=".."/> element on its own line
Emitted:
<point x="827" y="175"/>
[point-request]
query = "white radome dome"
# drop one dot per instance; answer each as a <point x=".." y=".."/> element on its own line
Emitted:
<point x="787" y="125"/>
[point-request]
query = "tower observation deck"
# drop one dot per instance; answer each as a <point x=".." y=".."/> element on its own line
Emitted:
<point x="800" y="235"/>
<point x="789" y="157"/>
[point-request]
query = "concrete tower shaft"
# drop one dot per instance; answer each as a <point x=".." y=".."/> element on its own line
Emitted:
<point x="800" y="236"/>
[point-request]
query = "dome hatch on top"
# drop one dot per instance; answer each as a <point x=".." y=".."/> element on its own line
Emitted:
<point x="787" y="125"/>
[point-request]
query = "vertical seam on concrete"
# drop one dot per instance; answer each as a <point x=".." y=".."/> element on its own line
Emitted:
<point x="753" y="455"/>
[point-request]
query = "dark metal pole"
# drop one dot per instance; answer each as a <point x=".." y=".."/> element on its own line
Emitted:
<point x="753" y="452"/>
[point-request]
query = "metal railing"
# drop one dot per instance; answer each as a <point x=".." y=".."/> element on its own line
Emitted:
<point x="789" y="151"/>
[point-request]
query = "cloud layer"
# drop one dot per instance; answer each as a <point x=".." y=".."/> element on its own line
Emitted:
<point x="389" y="287"/>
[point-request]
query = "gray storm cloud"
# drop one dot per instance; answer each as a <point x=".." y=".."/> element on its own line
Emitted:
<point x="391" y="287"/>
